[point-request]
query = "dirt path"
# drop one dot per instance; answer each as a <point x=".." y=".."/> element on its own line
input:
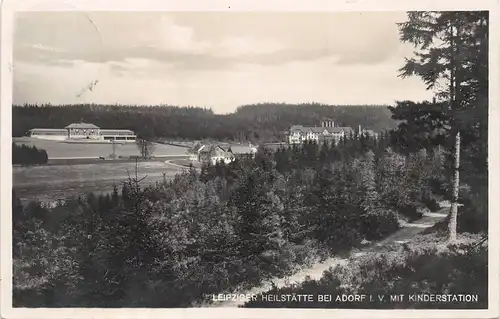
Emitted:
<point x="403" y="235"/>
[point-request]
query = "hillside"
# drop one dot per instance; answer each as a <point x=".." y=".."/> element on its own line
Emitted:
<point x="263" y="122"/>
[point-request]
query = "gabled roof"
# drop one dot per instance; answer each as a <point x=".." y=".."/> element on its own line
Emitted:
<point x="82" y="125"/>
<point x="242" y="149"/>
<point x="213" y="150"/>
<point x="347" y="130"/>
<point x="196" y="148"/>
<point x="370" y="132"/>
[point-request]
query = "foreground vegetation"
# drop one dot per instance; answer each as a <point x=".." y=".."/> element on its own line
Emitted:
<point x="451" y="58"/>
<point x="26" y="155"/>
<point x="428" y="265"/>
<point x="226" y="228"/>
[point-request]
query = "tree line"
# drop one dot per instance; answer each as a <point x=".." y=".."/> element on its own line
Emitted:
<point x="264" y="122"/>
<point x="224" y="228"/>
<point x="28" y="155"/>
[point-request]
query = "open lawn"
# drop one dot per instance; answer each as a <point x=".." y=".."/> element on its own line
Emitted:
<point x="48" y="183"/>
<point x="60" y="149"/>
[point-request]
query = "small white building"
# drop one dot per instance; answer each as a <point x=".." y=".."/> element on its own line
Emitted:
<point x="216" y="153"/>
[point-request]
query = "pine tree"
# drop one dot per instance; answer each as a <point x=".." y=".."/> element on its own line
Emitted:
<point x="451" y="48"/>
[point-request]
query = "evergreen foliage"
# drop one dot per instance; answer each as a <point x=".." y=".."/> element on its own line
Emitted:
<point x="28" y="155"/>
<point x="264" y="122"/>
<point x="227" y="227"/>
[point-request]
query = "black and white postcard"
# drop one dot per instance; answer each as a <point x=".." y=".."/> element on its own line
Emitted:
<point x="245" y="159"/>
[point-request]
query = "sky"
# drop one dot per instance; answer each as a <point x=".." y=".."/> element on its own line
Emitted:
<point x="211" y="59"/>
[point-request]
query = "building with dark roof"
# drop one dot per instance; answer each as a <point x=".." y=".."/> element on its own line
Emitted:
<point x="213" y="153"/>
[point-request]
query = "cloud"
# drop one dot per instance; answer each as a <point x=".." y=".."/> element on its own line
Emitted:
<point x="212" y="59"/>
<point x="107" y="37"/>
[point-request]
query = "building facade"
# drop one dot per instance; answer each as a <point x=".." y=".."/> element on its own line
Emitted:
<point x="83" y="131"/>
<point x="214" y="154"/>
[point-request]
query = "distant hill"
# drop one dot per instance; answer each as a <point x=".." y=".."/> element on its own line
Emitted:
<point x="263" y="122"/>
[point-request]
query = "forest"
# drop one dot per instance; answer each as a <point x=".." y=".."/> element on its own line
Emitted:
<point x="451" y="58"/>
<point x="225" y="228"/>
<point x="264" y="122"/>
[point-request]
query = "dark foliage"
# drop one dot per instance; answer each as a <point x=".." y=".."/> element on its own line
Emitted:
<point x="26" y="155"/>
<point x="425" y="266"/>
<point x="218" y="230"/>
<point x="265" y="122"/>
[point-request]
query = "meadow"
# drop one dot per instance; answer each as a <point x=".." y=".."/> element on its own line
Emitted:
<point x="49" y="183"/>
<point x="57" y="149"/>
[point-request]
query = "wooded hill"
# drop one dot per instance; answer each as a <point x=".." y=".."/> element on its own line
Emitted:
<point x="264" y="122"/>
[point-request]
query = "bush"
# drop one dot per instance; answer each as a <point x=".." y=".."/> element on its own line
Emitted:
<point x="379" y="224"/>
<point x="410" y="213"/>
<point x="431" y="203"/>
<point x="425" y="266"/>
<point x="26" y="155"/>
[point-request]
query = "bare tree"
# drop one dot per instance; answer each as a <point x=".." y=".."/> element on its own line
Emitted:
<point x="146" y="148"/>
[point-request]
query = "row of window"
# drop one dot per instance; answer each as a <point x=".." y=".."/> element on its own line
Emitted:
<point x="63" y="133"/>
<point x="116" y="133"/>
<point x="119" y="138"/>
<point x="49" y="133"/>
<point x="309" y="134"/>
<point x="127" y="136"/>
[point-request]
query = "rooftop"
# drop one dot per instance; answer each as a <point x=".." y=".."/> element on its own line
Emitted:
<point x="48" y="130"/>
<point x="242" y="149"/>
<point x="82" y="125"/>
<point x="319" y="129"/>
<point x="115" y="130"/>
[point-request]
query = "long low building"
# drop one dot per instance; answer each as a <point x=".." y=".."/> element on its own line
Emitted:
<point x="83" y="131"/>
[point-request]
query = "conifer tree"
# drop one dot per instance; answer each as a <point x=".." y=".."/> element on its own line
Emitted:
<point x="451" y="51"/>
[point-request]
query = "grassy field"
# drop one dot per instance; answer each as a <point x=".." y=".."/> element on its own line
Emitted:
<point x="47" y="183"/>
<point x="56" y="149"/>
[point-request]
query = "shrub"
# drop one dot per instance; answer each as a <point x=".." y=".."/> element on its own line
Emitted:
<point x="379" y="224"/>
<point x="26" y="155"/>
<point x="431" y="203"/>
<point x="410" y="213"/>
<point x="427" y="265"/>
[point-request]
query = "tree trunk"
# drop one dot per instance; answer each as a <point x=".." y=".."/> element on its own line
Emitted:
<point x="452" y="223"/>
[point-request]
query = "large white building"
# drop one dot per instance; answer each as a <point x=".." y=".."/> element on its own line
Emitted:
<point x="83" y="131"/>
<point x="299" y="134"/>
<point x="327" y="131"/>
